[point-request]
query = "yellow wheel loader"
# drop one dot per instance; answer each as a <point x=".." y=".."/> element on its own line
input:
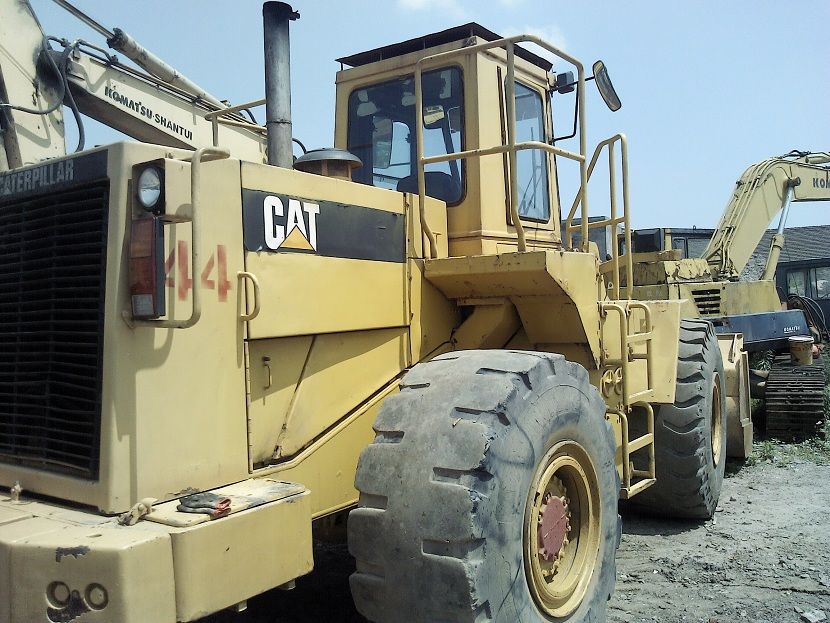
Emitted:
<point x="209" y="349"/>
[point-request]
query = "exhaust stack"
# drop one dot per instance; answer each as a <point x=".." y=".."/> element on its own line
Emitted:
<point x="275" y="19"/>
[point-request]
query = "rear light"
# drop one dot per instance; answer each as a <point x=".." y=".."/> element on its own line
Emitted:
<point x="147" y="268"/>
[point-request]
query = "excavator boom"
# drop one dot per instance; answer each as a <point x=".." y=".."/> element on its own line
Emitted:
<point x="28" y="82"/>
<point x="764" y="190"/>
<point x="149" y="110"/>
<point x="158" y="105"/>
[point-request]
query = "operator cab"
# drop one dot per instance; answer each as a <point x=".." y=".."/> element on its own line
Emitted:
<point x="464" y="108"/>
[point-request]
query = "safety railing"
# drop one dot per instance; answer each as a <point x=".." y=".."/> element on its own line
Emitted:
<point x="221" y="117"/>
<point x="615" y="218"/>
<point x="512" y="147"/>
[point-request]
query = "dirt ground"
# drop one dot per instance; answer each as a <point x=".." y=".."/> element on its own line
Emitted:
<point x="764" y="558"/>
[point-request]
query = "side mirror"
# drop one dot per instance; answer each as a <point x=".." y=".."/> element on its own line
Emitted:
<point x="606" y="89"/>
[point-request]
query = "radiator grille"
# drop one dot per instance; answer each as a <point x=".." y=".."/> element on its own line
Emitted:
<point x="52" y="265"/>
<point x="708" y="302"/>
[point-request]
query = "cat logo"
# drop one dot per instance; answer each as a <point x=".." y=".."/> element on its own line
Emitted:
<point x="281" y="224"/>
<point x="290" y="224"/>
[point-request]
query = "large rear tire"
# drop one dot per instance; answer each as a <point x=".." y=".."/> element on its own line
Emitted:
<point x="690" y="435"/>
<point x="489" y="494"/>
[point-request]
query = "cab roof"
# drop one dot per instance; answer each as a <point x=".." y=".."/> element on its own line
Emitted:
<point x="457" y="33"/>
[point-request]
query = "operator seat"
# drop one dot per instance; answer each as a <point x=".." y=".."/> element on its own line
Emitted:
<point x="439" y="185"/>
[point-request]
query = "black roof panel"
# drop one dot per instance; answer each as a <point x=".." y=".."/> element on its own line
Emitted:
<point x="458" y="33"/>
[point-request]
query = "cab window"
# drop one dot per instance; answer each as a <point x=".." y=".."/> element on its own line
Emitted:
<point x="820" y="278"/>
<point x="531" y="164"/>
<point x="796" y="282"/>
<point x="382" y="133"/>
<point x="680" y="245"/>
<point x="697" y="246"/>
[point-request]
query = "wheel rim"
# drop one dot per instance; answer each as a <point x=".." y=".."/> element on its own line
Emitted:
<point x="717" y="421"/>
<point x="562" y="529"/>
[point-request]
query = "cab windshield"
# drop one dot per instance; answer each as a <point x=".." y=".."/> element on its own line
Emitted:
<point x="382" y="133"/>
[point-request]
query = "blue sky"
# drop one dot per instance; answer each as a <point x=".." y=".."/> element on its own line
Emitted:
<point x="708" y="87"/>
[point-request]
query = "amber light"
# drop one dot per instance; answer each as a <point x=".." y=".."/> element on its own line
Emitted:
<point x="147" y="268"/>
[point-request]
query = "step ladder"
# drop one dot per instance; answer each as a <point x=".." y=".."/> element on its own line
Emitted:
<point x="632" y="404"/>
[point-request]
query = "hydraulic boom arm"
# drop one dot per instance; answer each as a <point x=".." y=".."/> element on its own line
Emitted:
<point x="31" y="116"/>
<point x="764" y="190"/>
<point x="157" y="106"/>
<point x="150" y="110"/>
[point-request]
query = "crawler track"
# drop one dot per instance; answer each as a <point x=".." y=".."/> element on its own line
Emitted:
<point x="794" y="400"/>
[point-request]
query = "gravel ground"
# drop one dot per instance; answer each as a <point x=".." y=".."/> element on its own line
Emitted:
<point x="764" y="558"/>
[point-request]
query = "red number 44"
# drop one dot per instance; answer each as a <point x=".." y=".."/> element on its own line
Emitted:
<point x="218" y="262"/>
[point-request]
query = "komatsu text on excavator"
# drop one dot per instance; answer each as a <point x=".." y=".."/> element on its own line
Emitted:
<point x="210" y="351"/>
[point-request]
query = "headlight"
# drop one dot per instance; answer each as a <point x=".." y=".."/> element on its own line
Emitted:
<point x="148" y="188"/>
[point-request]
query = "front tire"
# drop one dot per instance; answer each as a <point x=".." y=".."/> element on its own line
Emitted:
<point x="489" y="494"/>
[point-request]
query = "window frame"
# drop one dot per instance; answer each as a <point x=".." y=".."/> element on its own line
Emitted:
<point x="464" y="106"/>
<point x="545" y="116"/>
<point x="684" y="242"/>
<point x="813" y="279"/>
<point x="805" y="273"/>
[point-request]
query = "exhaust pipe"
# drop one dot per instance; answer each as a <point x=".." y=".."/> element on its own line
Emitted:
<point x="275" y="19"/>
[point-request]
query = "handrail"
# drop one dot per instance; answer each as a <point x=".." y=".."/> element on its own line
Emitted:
<point x="200" y="156"/>
<point x="244" y="274"/>
<point x="511" y="148"/>
<point x="500" y="149"/>
<point x="623" y="360"/>
<point x="614" y="219"/>
<point x="215" y="117"/>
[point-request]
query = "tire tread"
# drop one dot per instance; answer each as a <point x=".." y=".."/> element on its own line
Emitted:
<point x="470" y="397"/>
<point x="688" y="484"/>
